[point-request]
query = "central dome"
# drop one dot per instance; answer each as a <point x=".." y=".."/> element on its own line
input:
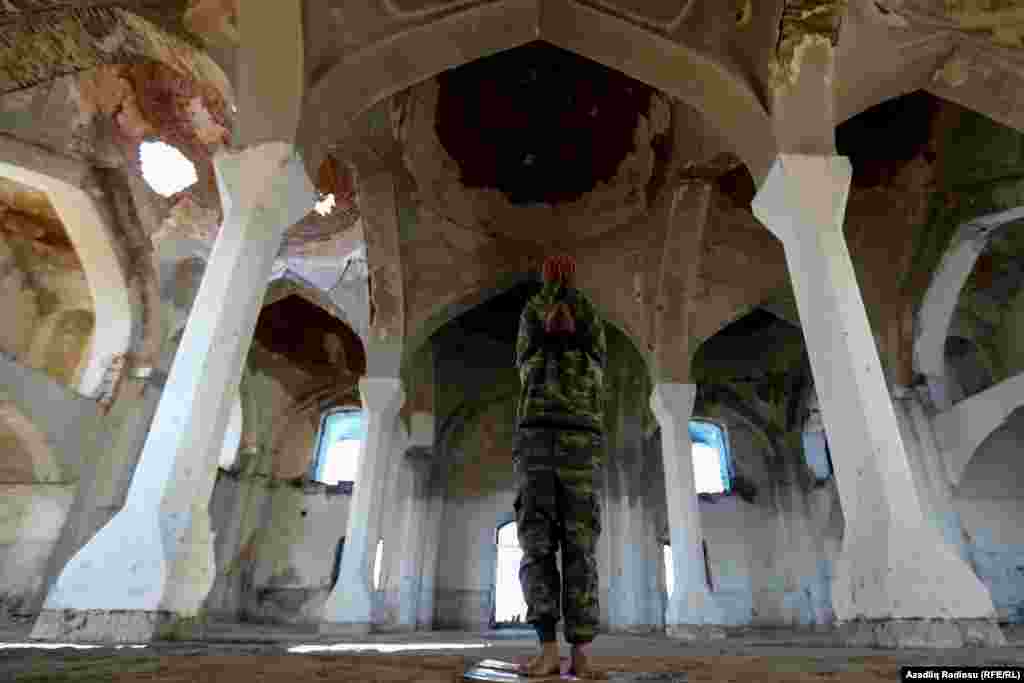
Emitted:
<point x="535" y="143"/>
<point x="538" y="123"/>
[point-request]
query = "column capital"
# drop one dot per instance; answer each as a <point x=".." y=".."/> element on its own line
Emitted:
<point x="270" y="177"/>
<point x="672" y="401"/>
<point x="382" y="395"/>
<point x="803" y="192"/>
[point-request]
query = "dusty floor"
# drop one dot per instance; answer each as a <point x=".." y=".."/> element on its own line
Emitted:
<point x="252" y="654"/>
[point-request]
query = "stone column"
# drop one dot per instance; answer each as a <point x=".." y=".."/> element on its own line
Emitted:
<point x="150" y="567"/>
<point x="431" y="542"/>
<point x="417" y="463"/>
<point x="627" y="583"/>
<point x="927" y="468"/>
<point x="896" y="583"/>
<point x="692" y="612"/>
<point x="349" y="608"/>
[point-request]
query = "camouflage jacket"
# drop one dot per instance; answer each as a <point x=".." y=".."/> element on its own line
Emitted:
<point x="562" y="379"/>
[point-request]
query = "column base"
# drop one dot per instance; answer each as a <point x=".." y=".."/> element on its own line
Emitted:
<point x="695" y="632"/>
<point x="922" y="633"/>
<point x="116" y="626"/>
<point x="347" y="629"/>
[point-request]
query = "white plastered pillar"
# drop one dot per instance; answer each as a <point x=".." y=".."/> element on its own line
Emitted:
<point x="430" y="545"/>
<point x="410" y="548"/>
<point x="349" y="607"/>
<point x="928" y="469"/>
<point x="152" y="564"/>
<point x="692" y="611"/>
<point x="896" y="582"/>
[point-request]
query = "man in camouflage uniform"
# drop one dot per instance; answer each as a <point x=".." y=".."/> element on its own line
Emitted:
<point x="561" y="354"/>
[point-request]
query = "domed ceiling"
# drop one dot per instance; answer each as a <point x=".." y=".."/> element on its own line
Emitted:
<point x="537" y="144"/>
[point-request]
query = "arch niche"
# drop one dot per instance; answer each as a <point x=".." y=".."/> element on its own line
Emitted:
<point x="396" y="62"/>
<point x="88" y="226"/>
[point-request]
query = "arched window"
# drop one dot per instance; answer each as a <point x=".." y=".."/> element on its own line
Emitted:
<point x="509" y="607"/>
<point x="712" y="468"/>
<point x="337" y="453"/>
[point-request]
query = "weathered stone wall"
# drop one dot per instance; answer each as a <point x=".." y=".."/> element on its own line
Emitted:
<point x="990" y="502"/>
<point x="294" y="549"/>
<point x="477" y="386"/>
<point x="31" y="518"/>
<point x="633" y="501"/>
<point x="276" y="532"/>
<point x="42" y="288"/>
<point x="48" y="434"/>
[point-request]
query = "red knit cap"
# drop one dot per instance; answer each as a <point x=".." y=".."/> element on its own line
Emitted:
<point x="560" y="267"/>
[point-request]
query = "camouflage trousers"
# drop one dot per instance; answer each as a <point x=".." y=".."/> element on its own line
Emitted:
<point x="557" y="508"/>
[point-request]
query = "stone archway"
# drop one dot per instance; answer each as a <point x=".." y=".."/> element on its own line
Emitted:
<point x="940" y="301"/>
<point x="499" y="285"/>
<point x="89" y="227"/>
<point x="449" y="39"/>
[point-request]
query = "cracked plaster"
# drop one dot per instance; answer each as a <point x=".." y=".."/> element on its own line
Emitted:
<point x="80" y="39"/>
<point x="805" y="25"/>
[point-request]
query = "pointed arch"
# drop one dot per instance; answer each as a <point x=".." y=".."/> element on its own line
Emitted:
<point x="479" y="297"/>
<point x="392" y="64"/>
<point x="88" y="224"/>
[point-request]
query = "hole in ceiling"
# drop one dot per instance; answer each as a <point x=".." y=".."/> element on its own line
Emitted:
<point x="325" y="205"/>
<point x="538" y="123"/>
<point x="166" y="170"/>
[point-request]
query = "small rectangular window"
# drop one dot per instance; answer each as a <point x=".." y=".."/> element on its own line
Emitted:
<point x="712" y="471"/>
<point x="339" y="446"/>
<point x="817" y="455"/>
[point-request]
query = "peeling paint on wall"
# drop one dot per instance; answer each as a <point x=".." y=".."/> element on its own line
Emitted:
<point x="79" y="39"/>
<point x="805" y="24"/>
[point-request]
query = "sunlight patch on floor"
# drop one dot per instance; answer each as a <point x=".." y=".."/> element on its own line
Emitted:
<point x="57" y="646"/>
<point x="385" y="647"/>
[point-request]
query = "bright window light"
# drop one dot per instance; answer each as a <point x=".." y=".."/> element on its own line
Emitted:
<point x="341" y="438"/>
<point x="325" y="205"/>
<point x="711" y="470"/>
<point x="385" y="647"/>
<point x="377" y="564"/>
<point x="342" y="461"/>
<point x="670" y="569"/>
<point x="707" y="469"/>
<point x="166" y="169"/>
<point x="509" y="602"/>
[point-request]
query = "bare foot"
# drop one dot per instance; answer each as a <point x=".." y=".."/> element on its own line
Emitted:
<point x="579" y="664"/>
<point x="546" y="663"/>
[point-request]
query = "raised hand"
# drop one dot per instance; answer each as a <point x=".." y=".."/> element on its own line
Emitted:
<point x="560" y="320"/>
